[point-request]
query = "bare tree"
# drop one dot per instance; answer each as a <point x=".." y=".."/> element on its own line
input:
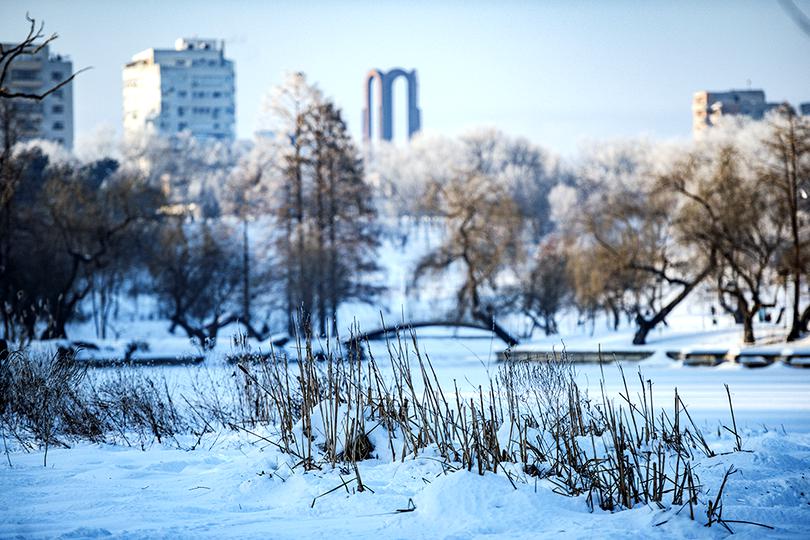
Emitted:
<point x="787" y="170"/>
<point x="484" y="229"/>
<point x="327" y="237"/>
<point x="735" y="217"/>
<point x="625" y="253"/>
<point x="195" y="275"/>
<point x="547" y="289"/>
<point x="68" y="223"/>
<point x="14" y="103"/>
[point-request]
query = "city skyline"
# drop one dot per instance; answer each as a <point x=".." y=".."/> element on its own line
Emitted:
<point x="555" y="73"/>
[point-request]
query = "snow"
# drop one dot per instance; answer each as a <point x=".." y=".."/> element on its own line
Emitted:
<point x="236" y="486"/>
<point x="238" y="489"/>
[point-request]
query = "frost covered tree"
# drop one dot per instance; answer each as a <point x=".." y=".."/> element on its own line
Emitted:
<point x="785" y="167"/>
<point x="326" y="236"/>
<point x="483" y="236"/>
<point x="527" y="171"/>
<point x="246" y="199"/>
<point x="625" y="254"/>
<point x="731" y="214"/>
<point x="403" y="173"/>
<point x="547" y="289"/>
<point x="191" y="172"/>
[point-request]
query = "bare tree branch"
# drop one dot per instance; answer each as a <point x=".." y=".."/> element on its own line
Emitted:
<point x="797" y="15"/>
<point x="34" y="42"/>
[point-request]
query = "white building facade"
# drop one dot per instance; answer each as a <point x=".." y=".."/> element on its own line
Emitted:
<point x="50" y="118"/>
<point x="190" y="88"/>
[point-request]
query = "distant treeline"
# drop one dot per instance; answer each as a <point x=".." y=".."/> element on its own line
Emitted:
<point x="280" y="232"/>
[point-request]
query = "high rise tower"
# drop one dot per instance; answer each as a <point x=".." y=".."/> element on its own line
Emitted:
<point x="190" y="88"/>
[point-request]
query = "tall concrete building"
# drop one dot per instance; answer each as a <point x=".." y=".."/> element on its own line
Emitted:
<point x="709" y="107"/>
<point x="50" y="118"/>
<point x="188" y="88"/>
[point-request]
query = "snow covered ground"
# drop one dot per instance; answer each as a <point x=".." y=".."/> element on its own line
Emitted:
<point x="237" y="489"/>
<point x="236" y="486"/>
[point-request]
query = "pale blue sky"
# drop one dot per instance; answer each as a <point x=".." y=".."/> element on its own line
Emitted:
<point x="556" y="72"/>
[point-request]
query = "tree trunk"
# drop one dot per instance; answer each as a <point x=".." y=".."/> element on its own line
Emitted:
<point x="644" y="327"/>
<point x="55" y="329"/>
<point x="320" y="274"/>
<point x="489" y="320"/>
<point x="804" y="320"/>
<point x="616" y="316"/>
<point x="748" y="319"/>
<point x="551" y="325"/>
<point x="748" y="329"/>
<point x="245" y="273"/>
<point x="796" y="322"/>
<point x="645" y="324"/>
<point x="792" y="181"/>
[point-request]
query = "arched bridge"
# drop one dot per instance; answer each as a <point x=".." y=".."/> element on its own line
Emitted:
<point x="378" y="333"/>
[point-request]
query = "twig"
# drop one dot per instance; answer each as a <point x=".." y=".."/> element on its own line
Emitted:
<point x="749" y="523"/>
<point x="343" y="485"/>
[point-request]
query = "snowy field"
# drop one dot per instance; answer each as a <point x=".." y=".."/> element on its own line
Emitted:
<point x="237" y="489"/>
<point x="237" y="486"/>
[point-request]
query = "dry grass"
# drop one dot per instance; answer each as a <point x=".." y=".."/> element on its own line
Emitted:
<point x="334" y="408"/>
<point x="618" y="452"/>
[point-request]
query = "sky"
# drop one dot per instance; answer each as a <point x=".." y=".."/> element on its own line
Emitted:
<point x="559" y="73"/>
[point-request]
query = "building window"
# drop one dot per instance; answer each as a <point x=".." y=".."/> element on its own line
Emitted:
<point x="182" y="93"/>
<point x="58" y="109"/>
<point x="56" y="75"/>
<point x="58" y="126"/>
<point x="217" y="94"/>
<point x="24" y="74"/>
<point x="58" y="93"/>
<point x="181" y="126"/>
<point x="181" y="111"/>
